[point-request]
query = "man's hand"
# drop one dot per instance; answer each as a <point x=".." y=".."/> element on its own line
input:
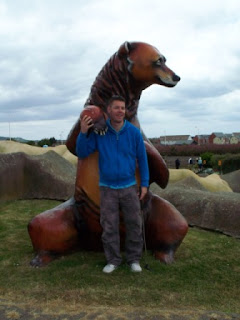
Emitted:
<point x="86" y="124"/>
<point x="143" y="193"/>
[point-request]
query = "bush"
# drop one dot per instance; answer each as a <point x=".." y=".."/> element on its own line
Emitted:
<point x="48" y="142"/>
<point x="31" y="143"/>
<point x="229" y="162"/>
<point x="207" y="156"/>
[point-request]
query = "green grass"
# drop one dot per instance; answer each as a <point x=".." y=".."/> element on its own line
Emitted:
<point x="206" y="274"/>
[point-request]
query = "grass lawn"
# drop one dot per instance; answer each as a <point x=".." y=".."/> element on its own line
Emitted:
<point x="206" y="274"/>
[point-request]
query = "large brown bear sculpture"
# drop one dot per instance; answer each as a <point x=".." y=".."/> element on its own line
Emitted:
<point x="75" y="223"/>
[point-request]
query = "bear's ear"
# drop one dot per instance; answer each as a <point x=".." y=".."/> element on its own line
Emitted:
<point x="124" y="49"/>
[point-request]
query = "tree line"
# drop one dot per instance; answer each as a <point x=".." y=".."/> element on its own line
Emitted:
<point x="45" y="141"/>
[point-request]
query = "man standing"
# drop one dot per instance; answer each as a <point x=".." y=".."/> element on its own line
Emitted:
<point x="119" y="150"/>
<point x="177" y="163"/>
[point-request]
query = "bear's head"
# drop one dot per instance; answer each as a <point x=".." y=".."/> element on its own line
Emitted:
<point x="147" y="65"/>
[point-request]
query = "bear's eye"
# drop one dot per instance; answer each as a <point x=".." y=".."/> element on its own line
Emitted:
<point x="160" y="61"/>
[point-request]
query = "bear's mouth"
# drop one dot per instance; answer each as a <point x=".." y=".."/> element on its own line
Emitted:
<point x="169" y="81"/>
<point x="100" y="126"/>
<point x="100" y="131"/>
<point x="165" y="84"/>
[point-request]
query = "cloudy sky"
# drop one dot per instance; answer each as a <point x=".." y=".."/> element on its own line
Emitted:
<point x="52" y="50"/>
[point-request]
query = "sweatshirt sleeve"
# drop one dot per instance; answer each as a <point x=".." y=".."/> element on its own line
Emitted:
<point x="86" y="144"/>
<point x="142" y="162"/>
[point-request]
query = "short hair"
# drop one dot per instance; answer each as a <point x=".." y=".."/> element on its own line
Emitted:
<point x="114" y="98"/>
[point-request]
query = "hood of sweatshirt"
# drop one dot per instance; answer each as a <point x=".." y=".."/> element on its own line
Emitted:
<point x="112" y="130"/>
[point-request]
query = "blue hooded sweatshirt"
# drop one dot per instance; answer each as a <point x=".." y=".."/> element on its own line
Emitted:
<point x="119" y="153"/>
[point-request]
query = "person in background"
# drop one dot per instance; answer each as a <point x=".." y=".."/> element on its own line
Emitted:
<point x="200" y="164"/>
<point x="177" y="163"/>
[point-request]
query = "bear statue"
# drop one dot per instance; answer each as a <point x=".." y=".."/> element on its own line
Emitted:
<point x="75" y="224"/>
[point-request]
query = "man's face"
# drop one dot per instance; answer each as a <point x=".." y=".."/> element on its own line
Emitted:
<point x="116" y="111"/>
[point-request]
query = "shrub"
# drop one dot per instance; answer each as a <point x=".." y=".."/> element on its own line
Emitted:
<point x="207" y="156"/>
<point x="46" y="141"/>
<point x="31" y="143"/>
<point x="229" y="162"/>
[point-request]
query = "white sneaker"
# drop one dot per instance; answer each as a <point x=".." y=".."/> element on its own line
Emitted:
<point x="109" y="268"/>
<point x="135" y="267"/>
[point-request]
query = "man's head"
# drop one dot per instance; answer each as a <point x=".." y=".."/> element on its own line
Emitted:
<point x="116" y="109"/>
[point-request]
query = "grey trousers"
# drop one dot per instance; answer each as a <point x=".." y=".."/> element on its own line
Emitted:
<point x="126" y="200"/>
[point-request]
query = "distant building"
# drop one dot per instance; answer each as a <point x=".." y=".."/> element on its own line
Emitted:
<point x="234" y="140"/>
<point x="201" y="139"/>
<point x="224" y="138"/>
<point x="217" y="138"/>
<point x="176" y="140"/>
<point x="236" y="137"/>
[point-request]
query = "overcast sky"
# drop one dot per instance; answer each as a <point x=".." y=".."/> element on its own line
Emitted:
<point x="52" y="50"/>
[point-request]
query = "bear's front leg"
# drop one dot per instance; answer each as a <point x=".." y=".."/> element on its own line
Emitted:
<point x="53" y="232"/>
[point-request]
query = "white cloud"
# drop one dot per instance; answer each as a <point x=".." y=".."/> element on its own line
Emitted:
<point x="51" y="52"/>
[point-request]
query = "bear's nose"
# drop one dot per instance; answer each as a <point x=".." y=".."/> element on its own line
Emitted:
<point x="176" y="78"/>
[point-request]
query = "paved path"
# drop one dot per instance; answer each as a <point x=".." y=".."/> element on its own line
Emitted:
<point x="17" y="312"/>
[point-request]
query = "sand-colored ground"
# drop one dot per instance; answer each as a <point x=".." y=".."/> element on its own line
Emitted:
<point x="212" y="183"/>
<point x="12" y="147"/>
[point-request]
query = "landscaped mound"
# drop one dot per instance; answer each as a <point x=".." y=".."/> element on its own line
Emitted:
<point x="12" y="147"/>
<point x="211" y="183"/>
<point x="46" y="176"/>
<point x="218" y="211"/>
<point x="233" y="179"/>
